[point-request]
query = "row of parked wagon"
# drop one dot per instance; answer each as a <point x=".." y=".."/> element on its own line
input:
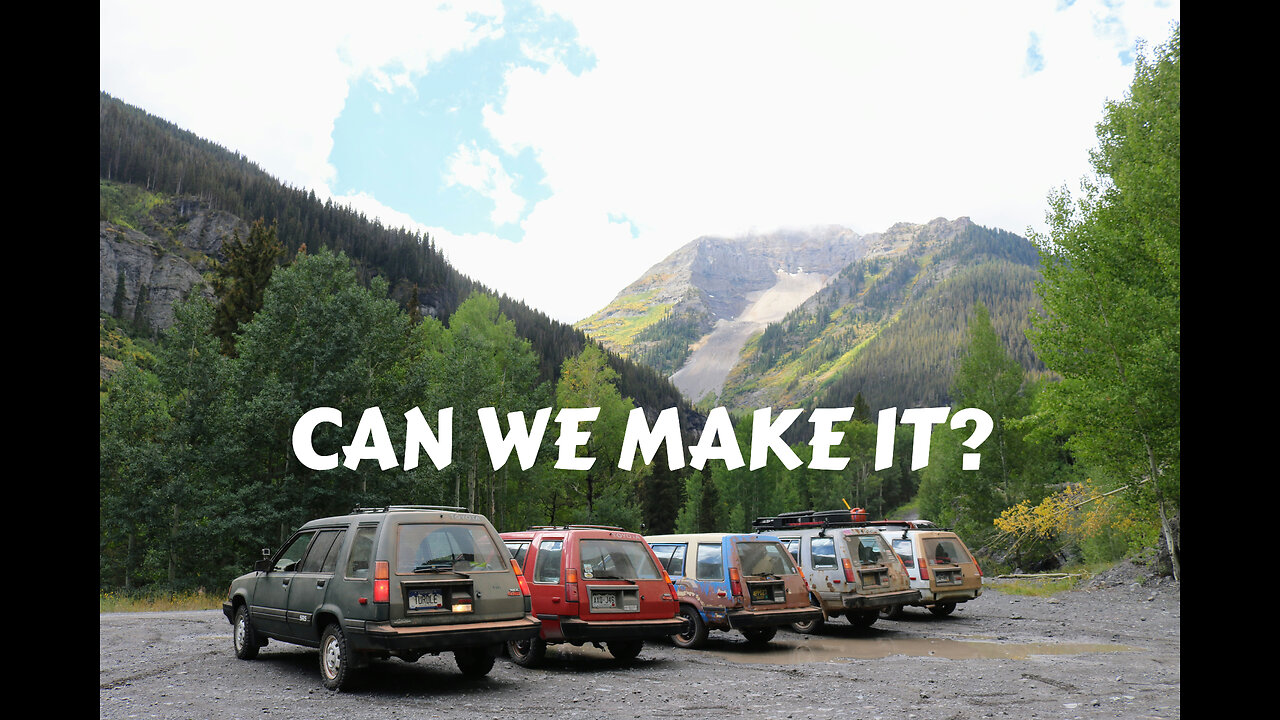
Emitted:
<point x="404" y="581"/>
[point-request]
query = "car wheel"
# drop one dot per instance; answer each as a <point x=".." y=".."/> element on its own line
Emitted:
<point x="891" y="613"/>
<point x="335" y="658"/>
<point x="863" y="620"/>
<point x="759" y="636"/>
<point x="527" y="653"/>
<point x="473" y="662"/>
<point x="625" y="650"/>
<point x="808" y="628"/>
<point x="243" y="638"/>
<point x="694" y="634"/>
<point x="942" y="610"/>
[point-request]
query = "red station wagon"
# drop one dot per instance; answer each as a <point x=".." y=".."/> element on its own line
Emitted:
<point x="593" y="584"/>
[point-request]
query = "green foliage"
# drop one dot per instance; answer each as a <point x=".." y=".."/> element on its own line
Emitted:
<point x="241" y="280"/>
<point x="1111" y="294"/>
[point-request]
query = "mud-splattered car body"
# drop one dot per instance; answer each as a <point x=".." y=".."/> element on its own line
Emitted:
<point x="743" y="582"/>
<point x="592" y="584"/>
<point x="938" y="563"/>
<point x="852" y="572"/>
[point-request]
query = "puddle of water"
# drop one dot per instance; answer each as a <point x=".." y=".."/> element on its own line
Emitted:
<point x="818" y="649"/>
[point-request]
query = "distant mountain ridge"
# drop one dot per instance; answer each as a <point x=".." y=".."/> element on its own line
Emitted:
<point x="168" y="198"/>
<point x="812" y="318"/>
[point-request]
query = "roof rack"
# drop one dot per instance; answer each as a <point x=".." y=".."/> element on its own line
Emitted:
<point x="575" y="526"/>
<point x="402" y="508"/>
<point x="853" y="517"/>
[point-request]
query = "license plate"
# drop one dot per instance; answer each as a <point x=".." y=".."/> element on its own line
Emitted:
<point x="426" y="600"/>
<point x="761" y="593"/>
<point x="604" y="600"/>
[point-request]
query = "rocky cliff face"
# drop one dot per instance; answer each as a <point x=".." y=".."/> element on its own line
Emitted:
<point x="163" y="264"/>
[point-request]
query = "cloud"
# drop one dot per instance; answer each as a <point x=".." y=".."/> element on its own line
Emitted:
<point x="1035" y="59"/>
<point x="482" y="171"/>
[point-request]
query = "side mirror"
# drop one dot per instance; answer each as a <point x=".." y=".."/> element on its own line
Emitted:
<point x="262" y="565"/>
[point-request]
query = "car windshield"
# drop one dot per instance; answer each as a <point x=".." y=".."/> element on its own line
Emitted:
<point x="760" y="559"/>
<point x="616" y="560"/>
<point x="433" y="547"/>
<point x="868" y="549"/>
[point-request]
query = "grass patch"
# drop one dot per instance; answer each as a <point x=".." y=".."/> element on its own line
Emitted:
<point x="1036" y="587"/>
<point x="138" y="602"/>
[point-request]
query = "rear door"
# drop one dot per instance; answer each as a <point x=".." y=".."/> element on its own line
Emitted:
<point x="769" y="575"/>
<point x="950" y="565"/>
<point x="620" y="579"/>
<point x="311" y="582"/>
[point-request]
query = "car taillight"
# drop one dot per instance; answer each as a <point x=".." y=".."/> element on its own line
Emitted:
<point x="975" y="564"/>
<point x="803" y="579"/>
<point x="571" y="585"/>
<point x="848" y="571"/>
<point x="381" y="581"/>
<point x="667" y="579"/>
<point x="924" y="568"/>
<point x="524" y="586"/>
<point x="735" y="582"/>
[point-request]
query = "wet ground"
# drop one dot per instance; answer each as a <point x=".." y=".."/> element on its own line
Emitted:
<point x="1109" y="651"/>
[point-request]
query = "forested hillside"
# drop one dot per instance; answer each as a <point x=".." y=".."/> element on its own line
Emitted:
<point x="891" y="326"/>
<point x="179" y="170"/>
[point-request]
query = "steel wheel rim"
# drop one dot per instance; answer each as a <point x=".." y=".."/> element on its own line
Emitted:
<point x="240" y="631"/>
<point x="522" y="648"/>
<point x="332" y="658"/>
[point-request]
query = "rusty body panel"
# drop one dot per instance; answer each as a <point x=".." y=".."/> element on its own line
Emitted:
<point x="740" y="582"/>
<point x="851" y="571"/>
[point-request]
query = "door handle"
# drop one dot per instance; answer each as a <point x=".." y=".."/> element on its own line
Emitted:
<point x="320" y="583"/>
<point x="285" y="582"/>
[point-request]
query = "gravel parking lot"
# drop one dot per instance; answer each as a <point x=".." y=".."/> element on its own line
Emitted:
<point x="1110" y="649"/>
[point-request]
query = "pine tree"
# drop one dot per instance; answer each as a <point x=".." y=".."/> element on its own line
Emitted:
<point x="241" y="281"/>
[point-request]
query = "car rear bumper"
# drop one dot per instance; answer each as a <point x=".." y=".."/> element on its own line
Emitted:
<point x="930" y="597"/>
<point x="578" y="630"/>
<point x="384" y="636"/>
<point x="875" y="602"/>
<point x="739" y="619"/>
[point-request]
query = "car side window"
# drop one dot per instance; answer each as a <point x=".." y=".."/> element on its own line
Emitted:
<point x="287" y="560"/>
<point x="331" y="560"/>
<point x="710" y="562"/>
<point x="822" y="553"/>
<point x="361" y="557"/>
<point x="546" y="566"/>
<point x="319" y="551"/>
<point x="903" y="548"/>
<point x="672" y="558"/>
<point x="793" y="547"/>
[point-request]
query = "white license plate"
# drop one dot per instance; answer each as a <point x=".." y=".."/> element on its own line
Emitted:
<point x="604" y="600"/>
<point x="426" y="600"/>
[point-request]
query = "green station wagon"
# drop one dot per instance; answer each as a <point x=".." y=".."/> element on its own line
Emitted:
<point x="398" y="581"/>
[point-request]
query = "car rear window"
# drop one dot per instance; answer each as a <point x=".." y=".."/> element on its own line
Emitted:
<point x="616" y="560"/>
<point x="868" y="549"/>
<point x="421" y="547"/>
<point x="944" y="551"/>
<point x="764" y="558"/>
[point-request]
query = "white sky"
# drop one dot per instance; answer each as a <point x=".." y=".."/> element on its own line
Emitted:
<point x="696" y="118"/>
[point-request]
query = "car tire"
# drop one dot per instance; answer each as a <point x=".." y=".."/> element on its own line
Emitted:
<point x="863" y="620"/>
<point x="943" y="609"/>
<point x="335" y="658"/>
<point x="625" y="650"/>
<point x="759" y="636"/>
<point x="473" y="662"/>
<point x="695" y="632"/>
<point x="243" y="637"/>
<point x="527" y="653"/>
<point x="891" y="613"/>
<point x="812" y="627"/>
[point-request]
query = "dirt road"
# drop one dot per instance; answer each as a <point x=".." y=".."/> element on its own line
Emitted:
<point x="1109" y="650"/>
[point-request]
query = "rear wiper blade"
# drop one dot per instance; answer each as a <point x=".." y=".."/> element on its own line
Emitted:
<point x="434" y="567"/>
